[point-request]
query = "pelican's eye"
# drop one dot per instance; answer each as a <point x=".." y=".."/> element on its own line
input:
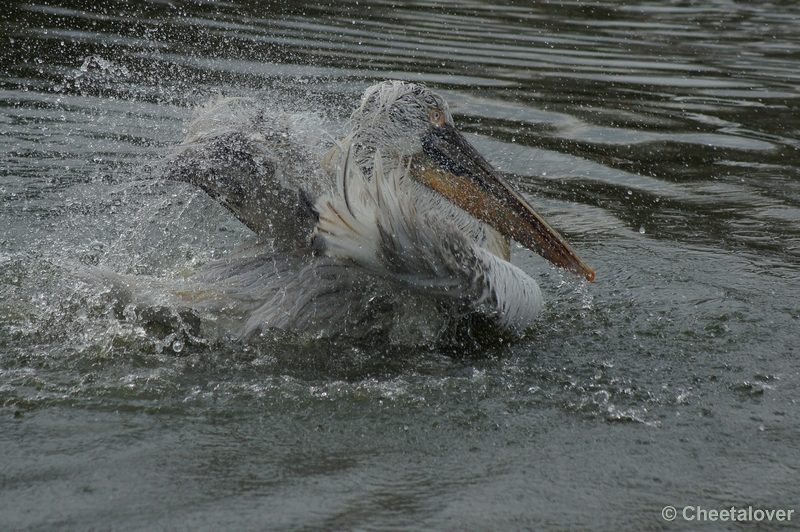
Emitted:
<point x="437" y="117"/>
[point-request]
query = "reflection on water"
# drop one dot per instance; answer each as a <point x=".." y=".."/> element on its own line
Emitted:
<point x="660" y="138"/>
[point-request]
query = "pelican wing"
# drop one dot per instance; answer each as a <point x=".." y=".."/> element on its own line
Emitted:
<point x="263" y="166"/>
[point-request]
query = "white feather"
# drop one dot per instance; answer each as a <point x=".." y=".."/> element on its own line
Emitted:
<point x="393" y="229"/>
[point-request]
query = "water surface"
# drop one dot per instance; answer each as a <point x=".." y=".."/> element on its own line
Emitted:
<point x="660" y="138"/>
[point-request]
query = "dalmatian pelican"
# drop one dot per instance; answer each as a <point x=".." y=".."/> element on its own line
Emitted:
<point x="402" y="226"/>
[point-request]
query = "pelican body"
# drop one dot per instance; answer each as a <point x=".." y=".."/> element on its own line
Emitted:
<point x="401" y="227"/>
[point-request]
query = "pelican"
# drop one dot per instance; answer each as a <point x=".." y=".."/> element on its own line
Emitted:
<point x="400" y="227"/>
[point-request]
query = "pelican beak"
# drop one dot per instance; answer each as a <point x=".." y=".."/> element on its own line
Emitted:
<point x="453" y="167"/>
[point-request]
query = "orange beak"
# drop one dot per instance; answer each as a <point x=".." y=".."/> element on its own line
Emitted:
<point x="454" y="168"/>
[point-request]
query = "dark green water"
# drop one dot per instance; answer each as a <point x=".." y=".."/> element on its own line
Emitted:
<point x="660" y="138"/>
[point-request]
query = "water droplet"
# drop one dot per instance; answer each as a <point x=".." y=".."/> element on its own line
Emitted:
<point x="177" y="346"/>
<point x="641" y="229"/>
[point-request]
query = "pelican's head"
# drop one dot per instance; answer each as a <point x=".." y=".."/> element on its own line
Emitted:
<point x="396" y="117"/>
<point x="412" y="124"/>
